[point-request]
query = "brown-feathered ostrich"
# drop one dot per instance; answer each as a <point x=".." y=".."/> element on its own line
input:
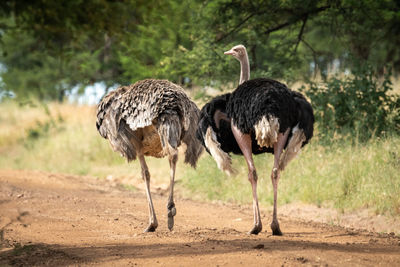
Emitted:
<point x="261" y="115"/>
<point x="151" y="118"/>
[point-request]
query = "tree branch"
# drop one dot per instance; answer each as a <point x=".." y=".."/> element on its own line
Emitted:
<point x="300" y="17"/>
<point x="276" y="28"/>
<point x="314" y="53"/>
<point x="300" y="35"/>
<point x="310" y="47"/>
<point x="235" y="28"/>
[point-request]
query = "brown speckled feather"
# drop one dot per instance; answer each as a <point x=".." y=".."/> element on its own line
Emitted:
<point x="149" y="103"/>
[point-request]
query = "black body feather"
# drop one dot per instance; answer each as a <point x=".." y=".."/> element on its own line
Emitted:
<point x="262" y="97"/>
<point x="224" y="132"/>
<point x="305" y="115"/>
<point x="248" y="104"/>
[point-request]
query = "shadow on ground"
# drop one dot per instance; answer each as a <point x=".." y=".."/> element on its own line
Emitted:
<point x="55" y="255"/>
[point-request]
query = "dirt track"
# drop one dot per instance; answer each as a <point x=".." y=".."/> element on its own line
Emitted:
<point x="56" y="220"/>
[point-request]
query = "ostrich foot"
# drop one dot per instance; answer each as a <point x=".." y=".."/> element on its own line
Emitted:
<point x="151" y="228"/>
<point x="256" y="229"/>
<point x="275" y="228"/>
<point x="171" y="213"/>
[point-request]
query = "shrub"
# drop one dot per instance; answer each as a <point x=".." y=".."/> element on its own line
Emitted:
<point x="360" y="105"/>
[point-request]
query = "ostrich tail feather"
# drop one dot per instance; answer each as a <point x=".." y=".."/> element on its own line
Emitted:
<point x="222" y="158"/>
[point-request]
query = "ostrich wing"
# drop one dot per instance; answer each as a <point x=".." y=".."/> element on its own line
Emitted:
<point x="145" y="103"/>
<point x="141" y="103"/>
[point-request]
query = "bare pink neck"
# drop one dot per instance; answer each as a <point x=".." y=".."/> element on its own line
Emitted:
<point x="244" y="69"/>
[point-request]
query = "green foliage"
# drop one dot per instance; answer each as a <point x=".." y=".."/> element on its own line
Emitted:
<point x="151" y="51"/>
<point x="29" y="71"/>
<point x="359" y="105"/>
<point x="61" y="24"/>
<point x="284" y="37"/>
<point x="47" y="48"/>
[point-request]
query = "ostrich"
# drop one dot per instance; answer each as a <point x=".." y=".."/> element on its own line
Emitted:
<point x="151" y="118"/>
<point x="260" y="116"/>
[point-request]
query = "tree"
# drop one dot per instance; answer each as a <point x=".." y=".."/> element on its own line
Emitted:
<point x="284" y="37"/>
<point x="49" y="47"/>
<point x="56" y="45"/>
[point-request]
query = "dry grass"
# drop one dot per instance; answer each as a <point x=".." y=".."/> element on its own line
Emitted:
<point x="63" y="138"/>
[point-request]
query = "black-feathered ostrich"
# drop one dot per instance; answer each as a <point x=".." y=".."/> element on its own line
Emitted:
<point x="261" y="115"/>
<point x="151" y="118"/>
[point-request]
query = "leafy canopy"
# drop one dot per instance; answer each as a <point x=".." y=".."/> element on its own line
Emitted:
<point x="48" y="47"/>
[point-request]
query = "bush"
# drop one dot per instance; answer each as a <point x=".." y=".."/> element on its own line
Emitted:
<point x="359" y="105"/>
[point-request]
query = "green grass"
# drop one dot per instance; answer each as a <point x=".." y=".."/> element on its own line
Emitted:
<point x="345" y="175"/>
<point x="342" y="175"/>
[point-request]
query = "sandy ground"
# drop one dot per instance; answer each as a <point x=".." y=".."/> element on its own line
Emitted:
<point x="58" y="220"/>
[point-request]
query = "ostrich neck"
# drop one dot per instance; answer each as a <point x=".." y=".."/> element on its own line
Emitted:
<point x="244" y="69"/>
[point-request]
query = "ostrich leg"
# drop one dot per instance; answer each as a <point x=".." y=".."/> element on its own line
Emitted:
<point x="171" y="205"/>
<point x="146" y="176"/>
<point x="275" y="175"/>
<point x="244" y="142"/>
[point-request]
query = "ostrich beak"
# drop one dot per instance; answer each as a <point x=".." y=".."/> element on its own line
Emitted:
<point x="230" y="52"/>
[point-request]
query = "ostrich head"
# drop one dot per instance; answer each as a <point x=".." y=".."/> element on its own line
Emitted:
<point x="240" y="53"/>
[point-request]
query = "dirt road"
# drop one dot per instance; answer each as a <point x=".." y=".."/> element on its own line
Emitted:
<point x="58" y="220"/>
